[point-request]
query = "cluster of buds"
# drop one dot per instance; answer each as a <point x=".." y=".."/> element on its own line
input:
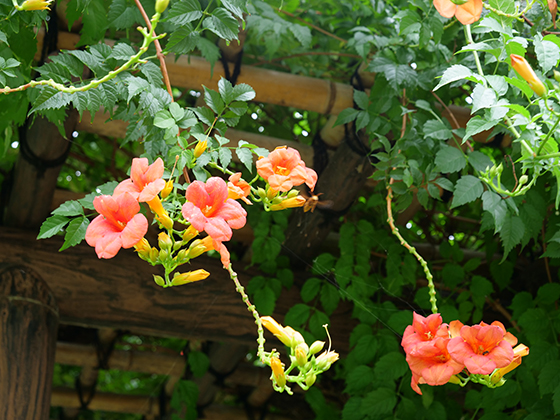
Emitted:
<point x="302" y="357"/>
<point x="439" y="353"/>
<point x="275" y="201"/>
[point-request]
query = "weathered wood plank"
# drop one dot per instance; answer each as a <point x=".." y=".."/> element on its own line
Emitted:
<point x="120" y="293"/>
<point x="28" y="325"/>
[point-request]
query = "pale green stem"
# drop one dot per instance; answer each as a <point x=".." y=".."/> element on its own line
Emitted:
<point x="470" y="40"/>
<point x="548" y="135"/>
<point x="412" y="250"/>
<point x="251" y="308"/>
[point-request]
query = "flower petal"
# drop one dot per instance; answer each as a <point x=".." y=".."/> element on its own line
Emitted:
<point x="134" y="231"/>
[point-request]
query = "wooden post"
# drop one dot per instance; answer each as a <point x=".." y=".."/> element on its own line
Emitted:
<point x="28" y="326"/>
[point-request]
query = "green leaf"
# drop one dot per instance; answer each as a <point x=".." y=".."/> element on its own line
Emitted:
<point x="310" y="289"/>
<point x="454" y="73"/>
<point x="511" y="233"/>
<point x="505" y="6"/>
<point x="184" y="11"/>
<point x="450" y="159"/>
<point x="213" y="100"/>
<point x="208" y="49"/>
<point x="494" y="204"/>
<point x="184" y="40"/>
<point x="75" y="232"/>
<point x="437" y="129"/>
<point x="548" y="293"/>
<point x="482" y="97"/>
<point x="556" y="400"/>
<point x="302" y="34"/>
<point x="361" y="99"/>
<point x="163" y="119"/>
<point x="222" y="23"/>
<point x="52" y="226"/>
<point x="198" y="363"/>
<point x="69" y="208"/>
<point x="379" y="403"/>
<point x="366" y="348"/>
<point x="246" y="157"/>
<point x="359" y="379"/>
<point x="316" y="322"/>
<point x="477" y="125"/>
<point x="479" y="161"/>
<point x="152" y="73"/>
<point x="391" y="366"/>
<point x="225" y="156"/>
<point x="237" y="7"/>
<point x="467" y="189"/>
<point x="547" y="52"/>
<point x="51" y="99"/>
<point x="521" y="85"/>
<point x="347" y="115"/>
<point x="243" y="92"/>
<point x="329" y="298"/>
<point x="549" y="379"/>
<point x="297" y="315"/>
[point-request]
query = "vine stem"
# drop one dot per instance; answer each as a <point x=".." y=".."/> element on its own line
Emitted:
<point x="470" y="40"/>
<point x="251" y="308"/>
<point x="411" y="249"/>
<point x="543" y="143"/>
<point x="159" y="51"/>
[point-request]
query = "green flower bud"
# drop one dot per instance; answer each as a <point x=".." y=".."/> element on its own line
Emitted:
<point x="316" y="347"/>
<point x="159" y="280"/>
<point x="161" y="5"/>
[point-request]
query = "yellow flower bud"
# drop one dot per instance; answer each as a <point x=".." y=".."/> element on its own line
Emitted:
<point x="289" y="203"/>
<point x="310" y="378"/>
<point x="199" y="247"/>
<point x="278" y="371"/>
<point x="189" y="233"/>
<point x="182" y="256"/>
<point x="522" y="67"/>
<point x="189" y="277"/>
<point x="301" y="354"/>
<point x="165" y="220"/>
<point x="161" y="5"/>
<point x="167" y="189"/>
<point x="326" y="359"/>
<point x="143" y="248"/>
<point x="316" y="347"/>
<point x="36" y="5"/>
<point x="164" y="241"/>
<point x="159" y="280"/>
<point x="200" y="148"/>
<point x="163" y="255"/>
<point x="270" y="193"/>
<point x="154" y="254"/>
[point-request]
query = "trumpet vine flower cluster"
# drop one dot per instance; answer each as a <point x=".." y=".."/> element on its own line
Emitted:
<point x="438" y="353"/>
<point x="302" y="357"/>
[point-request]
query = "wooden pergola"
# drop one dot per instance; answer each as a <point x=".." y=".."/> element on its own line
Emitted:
<point x="42" y="290"/>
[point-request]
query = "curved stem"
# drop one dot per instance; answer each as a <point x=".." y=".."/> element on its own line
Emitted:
<point x="548" y="135"/>
<point x="411" y="249"/>
<point x="469" y="37"/>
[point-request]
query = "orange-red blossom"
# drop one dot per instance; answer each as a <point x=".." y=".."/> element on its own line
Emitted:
<point x="466" y="12"/>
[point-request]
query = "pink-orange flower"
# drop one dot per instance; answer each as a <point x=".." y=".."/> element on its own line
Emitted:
<point x="483" y="348"/>
<point x="238" y="188"/>
<point x="119" y="225"/>
<point x="425" y="344"/>
<point x="145" y="180"/>
<point x="208" y="208"/>
<point x="466" y="13"/>
<point x="283" y="169"/>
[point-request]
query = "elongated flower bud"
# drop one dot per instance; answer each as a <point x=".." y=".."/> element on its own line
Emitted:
<point x="278" y="371"/>
<point x="164" y="241"/>
<point x="522" y="67"/>
<point x="36" y="5"/>
<point x="161" y="5"/>
<point x="289" y="203"/>
<point x="167" y="189"/>
<point x="159" y="280"/>
<point x="189" y="233"/>
<point x="189" y="277"/>
<point x="284" y="335"/>
<point x="301" y="354"/>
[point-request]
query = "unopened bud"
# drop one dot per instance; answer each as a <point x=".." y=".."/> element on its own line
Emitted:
<point x="316" y="347"/>
<point x="301" y="354"/>
<point x="167" y="189"/>
<point x="297" y="339"/>
<point x="522" y="67"/>
<point x="310" y="378"/>
<point x="35" y="5"/>
<point x="161" y="5"/>
<point x="143" y="248"/>
<point x="278" y="371"/>
<point x="293" y="193"/>
<point x="164" y="241"/>
<point x="271" y="193"/>
<point x="159" y="280"/>
<point x="190" y="277"/>
<point x="165" y="220"/>
<point x="523" y="179"/>
<point x="261" y="192"/>
<point x="200" y="148"/>
<point x="182" y="256"/>
<point x="326" y="359"/>
<point x="200" y="246"/>
<point x="163" y="255"/>
<point x="189" y="233"/>
<point x="154" y="254"/>
<point x="289" y="203"/>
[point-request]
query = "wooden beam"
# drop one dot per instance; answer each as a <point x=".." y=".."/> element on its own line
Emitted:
<point x="120" y="293"/>
<point x="28" y="325"/>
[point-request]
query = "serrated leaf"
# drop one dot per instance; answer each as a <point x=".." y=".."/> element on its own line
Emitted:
<point x="302" y="34"/>
<point x="184" y="11"/>
<point x="52" y="226"/>
<point x="450" y="159"/>
<point x="237" y="7"/>
<point x="522" y="85"/>
<point x="477" y="125"/>
<point x="359" y="379"/>
<point x="225" y="156"/>
<point x="390" y="366"/>
<point x="310" y="289"/>
<point x="496" y="206"/>
<point x="51" y="99"/>
<point x="213" y="100"/>
<point x="245" y="157"/>
<point x="437" y="129"/>
<point x="548" y="293"/>
<point x="198" y="363"/>
<point x="467" y="189"/>
<point x="152" y="73"/>
<point x="378" y="403"/>
<point x="547" y="52"/>
<point x="208" y="49"/>
<point x="482" y="97"/>
<point x="454" y="73"/>
<point x="479" y="161"/>
<point x="163" y="119"/>
<point x="347" y="115"/>
<point x="329" y="298"/>
<point x="69" y="208"/>
<point x="122" y="51"/>
<point x="511" y="233"/>
<point x="183" y="40"/>
<point x="205" y="115"/>
<point x="75" y="232"/>
<point x="222" y="23"/>
<point x="243" y="92"/>
<point x="265" y="300"/>
<point x="297" y="315"/>
<point x="549" y="379"/>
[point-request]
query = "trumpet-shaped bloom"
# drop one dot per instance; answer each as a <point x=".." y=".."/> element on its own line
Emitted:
<point x="238" y="188"/>
<point x="423" y="329"/>
<point x="466" y="13"/>
<point x="119" y="225"/>
<point x="521" y="66"/>
<point x="208" y="208"/>
<point x="283" y="169"/>
<point x="145" y="180"/>
<point x="483" y="348"/>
